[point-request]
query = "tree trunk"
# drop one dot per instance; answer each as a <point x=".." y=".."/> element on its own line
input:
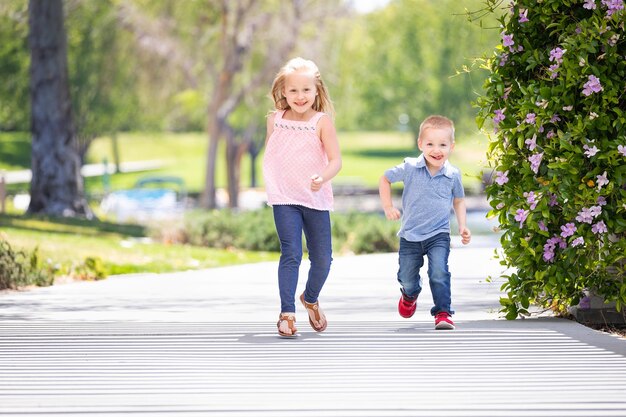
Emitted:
<point x="235" y="150"/>
<point x="56" y="187"/>
<point x="253" y="151"/>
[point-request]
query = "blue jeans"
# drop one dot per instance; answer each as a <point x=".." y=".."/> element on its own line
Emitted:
<point x="291" y="221"/>
<point x="411" y="259"/>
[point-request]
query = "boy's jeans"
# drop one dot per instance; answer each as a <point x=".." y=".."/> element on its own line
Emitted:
<point x="411" y="259"/>
<point x="291" y="221"/>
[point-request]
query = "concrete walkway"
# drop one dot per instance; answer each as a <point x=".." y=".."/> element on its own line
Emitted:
<point x="204" y="343"/>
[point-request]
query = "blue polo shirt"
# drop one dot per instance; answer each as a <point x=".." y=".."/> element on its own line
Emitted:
<point x="426" y="200"/>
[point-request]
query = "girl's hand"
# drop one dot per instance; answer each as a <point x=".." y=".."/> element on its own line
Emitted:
<point x="316" y="182"/>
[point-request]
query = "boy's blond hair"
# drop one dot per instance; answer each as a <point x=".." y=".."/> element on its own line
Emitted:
<point x="438" y="122"/>
<point x="322" y="101"/>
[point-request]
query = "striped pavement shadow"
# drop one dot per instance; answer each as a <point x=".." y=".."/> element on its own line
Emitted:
<point x="395" y="368"/>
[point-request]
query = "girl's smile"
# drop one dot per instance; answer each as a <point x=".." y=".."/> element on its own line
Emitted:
<point x="300" y="92"/>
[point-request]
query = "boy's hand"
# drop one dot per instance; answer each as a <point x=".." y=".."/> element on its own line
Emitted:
<point x="466" y="235"/>
<point x="316" y="182"/>
<point x="392" y="213"/>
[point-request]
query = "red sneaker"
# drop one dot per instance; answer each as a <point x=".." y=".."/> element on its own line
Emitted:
<point x="443" y="321"/>
<point x="407" y="306"/>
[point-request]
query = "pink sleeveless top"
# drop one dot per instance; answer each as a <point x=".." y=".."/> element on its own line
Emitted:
<point x="293" y="154"/>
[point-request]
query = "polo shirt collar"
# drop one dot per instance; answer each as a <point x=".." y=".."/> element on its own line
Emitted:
<point x="447" y="169"/>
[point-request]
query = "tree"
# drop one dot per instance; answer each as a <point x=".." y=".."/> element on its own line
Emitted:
<point x="14" y="62"/>
<point x="242" y="23"/>
<point x="555" y="97"/>
<point x="242" y="43"/>
<point x="56" y="187"/>
<point x="100" y="70"/>
<point x="410" y="59"/>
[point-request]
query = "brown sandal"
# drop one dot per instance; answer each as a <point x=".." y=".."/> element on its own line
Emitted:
<point x="290" y="318"/>
<point x="314" y="308"/>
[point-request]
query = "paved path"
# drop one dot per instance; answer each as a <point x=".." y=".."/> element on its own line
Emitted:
<point x="204" y="343"/>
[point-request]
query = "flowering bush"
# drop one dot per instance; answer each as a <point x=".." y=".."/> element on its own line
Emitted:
<point x="556" y="98"/>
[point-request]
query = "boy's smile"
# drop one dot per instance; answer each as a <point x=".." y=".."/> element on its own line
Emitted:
<point x="436" y="145"/>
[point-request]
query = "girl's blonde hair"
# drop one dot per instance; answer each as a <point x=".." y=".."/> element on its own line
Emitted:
<point x="322" y="101"/>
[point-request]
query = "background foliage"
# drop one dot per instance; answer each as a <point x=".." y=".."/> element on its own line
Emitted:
<point x="556" y="97"/>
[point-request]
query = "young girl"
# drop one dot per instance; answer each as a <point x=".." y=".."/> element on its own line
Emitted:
<point x="301" y="157"/>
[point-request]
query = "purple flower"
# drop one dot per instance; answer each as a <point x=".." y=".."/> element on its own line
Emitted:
<point x="498" y="116"/>
<point x="504" y="58"/>
<point x="551" y="134"/>
<point x="602" y="180"/>
<point x="584" y="216"/>
<point x="555" y="118"/>
<point x="599" y="227"/>
<point x="590" y="151"/>
<point x="553" y="71"/>
<point x="501" y="177"/>
<point x="613" y="6"/>
<point x="507" y="40"/>
<point x="556" y="55"/>
<point x="535" y="161"/>
<point x="520" y="216"/>
<point x="621" y="149"/>
<point x="595" y="211"/>
<point x="590" y="4"/>
<point x="592" y="86"/>
<point x="531" y="198"/>
<point x="548" y="253"/>
<point x="530" y="118"/>
<point x="601" y="201"/>
<point x="550" y="246"/>
<point x="553" y="200"/>
<point x="542" y="226"/>
<point x="568" y="230"/>
<point x="523" y="16"/>
<point x="578" y="241"/>
<point x="532" y="143"/>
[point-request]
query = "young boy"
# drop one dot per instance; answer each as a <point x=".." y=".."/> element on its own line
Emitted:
<point x="431" y="188"/>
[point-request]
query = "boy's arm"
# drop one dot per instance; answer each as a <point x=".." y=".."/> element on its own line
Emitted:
<point x="461" y="217"/>
<point x="384" y="190"/>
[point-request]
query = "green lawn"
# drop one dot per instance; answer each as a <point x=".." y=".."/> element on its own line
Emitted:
<point x="366" y="155"/>
<point x="122" y="248"/>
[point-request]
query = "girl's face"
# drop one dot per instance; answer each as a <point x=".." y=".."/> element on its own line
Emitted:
<point x="300" y="91"/>
<point x="436" y="145"/>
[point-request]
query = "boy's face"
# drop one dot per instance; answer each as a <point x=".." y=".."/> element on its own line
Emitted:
<point x="436" y="145"/>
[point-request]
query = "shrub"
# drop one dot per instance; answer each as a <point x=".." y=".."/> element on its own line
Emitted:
<point x="556" y="98"/>
<point x="20" y="269"/>
<point x="364" y="233"/>
<point x="255" y="230"/>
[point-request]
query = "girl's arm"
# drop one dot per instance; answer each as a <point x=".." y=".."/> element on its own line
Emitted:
<point x="328" y="136"/>
<point x="269" y="127"/>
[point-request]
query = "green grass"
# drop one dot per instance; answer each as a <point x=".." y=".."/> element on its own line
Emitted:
<point x="122" y="248"/>
<point x="366" y="155"/>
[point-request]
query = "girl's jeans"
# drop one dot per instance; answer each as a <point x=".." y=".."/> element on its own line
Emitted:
<point x="411" y="259"/>
<point x="291" y="221"/>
